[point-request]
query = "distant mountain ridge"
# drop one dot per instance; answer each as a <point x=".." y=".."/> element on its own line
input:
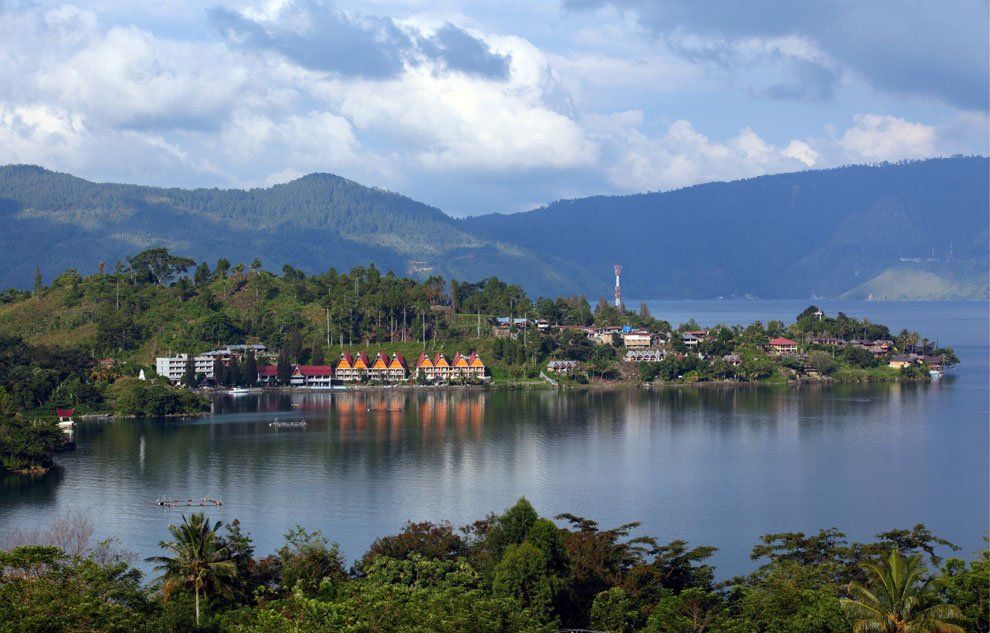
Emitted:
<point x="910" y="230"/>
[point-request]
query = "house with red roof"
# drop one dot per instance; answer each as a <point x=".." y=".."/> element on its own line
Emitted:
<point x="379" y="367"/>
<point x="312" y="376"/>
<point x="267" y="374"/>
<point x="781" y="346"/>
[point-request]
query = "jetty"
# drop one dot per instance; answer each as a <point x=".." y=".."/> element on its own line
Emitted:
<point x="167" y="502"/>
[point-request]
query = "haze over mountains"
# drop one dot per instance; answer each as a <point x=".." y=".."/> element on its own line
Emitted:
<point x="898" y="231"/>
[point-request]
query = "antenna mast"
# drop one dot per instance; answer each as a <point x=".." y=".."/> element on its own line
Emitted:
<point x="618" y="286"/>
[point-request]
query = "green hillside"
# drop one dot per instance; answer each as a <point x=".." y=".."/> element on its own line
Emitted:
<point x="817" y="233"/>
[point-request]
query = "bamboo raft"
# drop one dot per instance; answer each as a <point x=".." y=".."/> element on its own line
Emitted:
<point x="291" y="424"/>
<point x="205" y="502"/>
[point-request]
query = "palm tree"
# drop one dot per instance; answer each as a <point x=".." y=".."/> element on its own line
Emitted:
<point x="888" y="604"/>
<point x="200" y="560"/>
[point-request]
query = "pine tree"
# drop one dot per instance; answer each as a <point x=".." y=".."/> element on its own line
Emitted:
<point x="37" y="280"/>
<point x="189" y="375"/>
<point x="234" y="376"/>
<point x="250" y="370"/>
<point x="283" y="370"/>
<point x="219" y="372"/>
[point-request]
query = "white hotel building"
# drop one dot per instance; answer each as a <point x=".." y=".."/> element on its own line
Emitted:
<point x="172" y="367"/>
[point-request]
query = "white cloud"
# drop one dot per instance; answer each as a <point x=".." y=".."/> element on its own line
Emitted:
<point x="684" y="156"/>
<point x="800" y="150"/>
<point x="880" y="137"/>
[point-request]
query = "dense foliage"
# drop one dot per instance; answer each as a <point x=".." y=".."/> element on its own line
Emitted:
<point x="514" y="571"/>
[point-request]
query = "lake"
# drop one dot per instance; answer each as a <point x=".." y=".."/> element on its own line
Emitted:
<point x="714" y="466"/>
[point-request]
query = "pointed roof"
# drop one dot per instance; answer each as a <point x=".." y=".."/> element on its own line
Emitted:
<point x="424" y="360"/>
<point x="440" y="359"/>
<point x="381" y="361"/>
<point x="397" y="362"/>
<point x="345" y="362"/>
<point x="65" y="413"/>
<point x="362" y="362"/>
<point x="475" y="360"/>
<point x="460" y="360"/>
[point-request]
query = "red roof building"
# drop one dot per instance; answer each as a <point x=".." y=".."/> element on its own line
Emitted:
<point x="781" y="345"/>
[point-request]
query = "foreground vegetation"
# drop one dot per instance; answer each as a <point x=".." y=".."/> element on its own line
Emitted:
<point x="514" y="571"/>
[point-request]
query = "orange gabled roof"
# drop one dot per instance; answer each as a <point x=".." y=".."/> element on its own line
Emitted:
<point x="362" y="362"/>
<point x="460" y="360"/>
<point x="296" y="372"/>
<point x="475" y="360"/>
<point x="440" y="360"/>
<point x="424" y="361"/>
<point x="345" y="362"/>
<point x="397" y="362"/>
<point x="381" y="361"/>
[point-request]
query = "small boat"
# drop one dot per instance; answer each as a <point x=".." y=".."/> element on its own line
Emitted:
<point x="239" y="391"/>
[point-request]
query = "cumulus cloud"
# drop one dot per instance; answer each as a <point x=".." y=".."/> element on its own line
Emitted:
<point x="684" y="156"/>
<point x="879" y="137"/>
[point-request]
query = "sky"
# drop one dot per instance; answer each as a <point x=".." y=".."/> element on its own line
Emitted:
<point x="475" y="107"/>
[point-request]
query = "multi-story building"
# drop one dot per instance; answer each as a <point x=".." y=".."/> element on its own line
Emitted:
<point x="311" y="376"/>
<point x="173" y="367"/>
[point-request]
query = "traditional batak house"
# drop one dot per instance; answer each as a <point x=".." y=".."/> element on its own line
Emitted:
<point x="441" y="366"/>
<point x="781" y="346"/>
<point x="397" y="369"/>
<point x="425" y="368"/>
<point x="467" y="366"/>
<point x="347" y="369"/>
<point x="379" y="367"/>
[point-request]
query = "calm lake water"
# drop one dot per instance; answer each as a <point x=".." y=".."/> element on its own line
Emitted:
<point x="713" y="466"/>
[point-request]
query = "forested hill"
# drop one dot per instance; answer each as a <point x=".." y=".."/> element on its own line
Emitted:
<point x="56" y="220"/>
<point x="911" y="230"/>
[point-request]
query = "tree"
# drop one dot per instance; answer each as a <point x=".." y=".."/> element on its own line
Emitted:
<point x="250" y="370"/>
<point x="283" y="369"/>
<point x="38" y="284"/>
<point x="307" y="560"/>
<point x="189" y="373"/>
<point x="202" y="275"/>
<point x="889" y="603"/>
<point x="524" y="573"/>
<point x="157" y="265"/>
<point x="200" y="560"/>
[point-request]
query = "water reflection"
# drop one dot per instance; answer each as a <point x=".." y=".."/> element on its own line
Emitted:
<point x="714" y="465"/>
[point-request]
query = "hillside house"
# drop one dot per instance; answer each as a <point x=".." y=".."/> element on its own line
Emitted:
<point x="562" y="366"/>
<point x="781" y="346"/>
<point x="638" y="339"/>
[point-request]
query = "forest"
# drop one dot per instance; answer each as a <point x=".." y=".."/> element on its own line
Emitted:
<point x="512" y="571"/>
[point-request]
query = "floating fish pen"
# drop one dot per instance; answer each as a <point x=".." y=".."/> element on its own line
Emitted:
<point x="205" y="502"/>
<point x="290" y="424"/>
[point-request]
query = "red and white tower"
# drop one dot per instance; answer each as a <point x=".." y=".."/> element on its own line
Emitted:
<point x="618" y="287"/>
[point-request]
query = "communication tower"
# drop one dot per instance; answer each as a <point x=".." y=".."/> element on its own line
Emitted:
<point x="618" y="287"/>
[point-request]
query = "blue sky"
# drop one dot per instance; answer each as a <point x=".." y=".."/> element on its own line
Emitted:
<point x="479" y="106"/>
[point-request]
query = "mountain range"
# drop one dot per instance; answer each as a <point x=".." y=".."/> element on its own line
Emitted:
<point x="913" y="230"/>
